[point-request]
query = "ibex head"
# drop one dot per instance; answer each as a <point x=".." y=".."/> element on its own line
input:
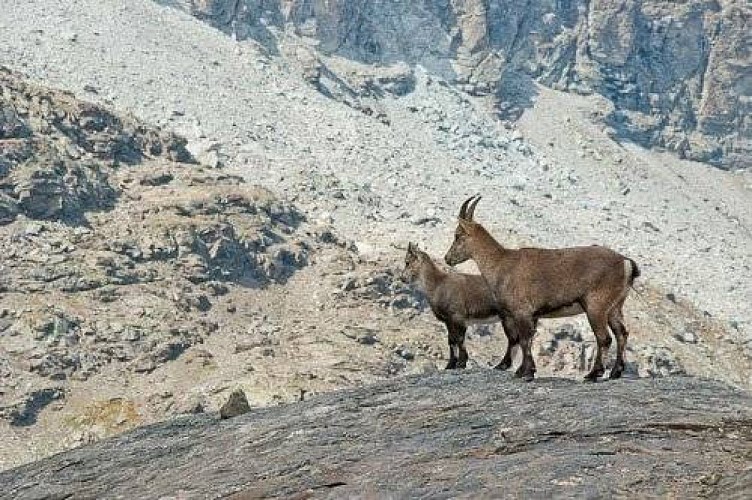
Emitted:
<point x="459" y="252"/>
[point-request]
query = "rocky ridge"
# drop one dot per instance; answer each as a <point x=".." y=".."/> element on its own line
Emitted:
<point x="113" y="251"/>
<point x="478" y="434"/>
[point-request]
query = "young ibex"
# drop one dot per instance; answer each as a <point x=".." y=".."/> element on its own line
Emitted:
<point x="528" y="283"/>
<point x="456" y="300"/>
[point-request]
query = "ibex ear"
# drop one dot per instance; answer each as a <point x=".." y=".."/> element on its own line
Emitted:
<point x="411" y="248"/>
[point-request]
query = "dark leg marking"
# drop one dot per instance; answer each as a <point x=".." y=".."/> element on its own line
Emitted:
<point x="513" y="339"/>
<point x="598" y="322"/>
<point x="457" y="352"/>
<point x="526" y="328"/>
<point x="616" y="322"/>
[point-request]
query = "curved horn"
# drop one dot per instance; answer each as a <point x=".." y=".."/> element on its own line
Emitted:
<point x="463" y="208"/>
<point x="471" y="210"/>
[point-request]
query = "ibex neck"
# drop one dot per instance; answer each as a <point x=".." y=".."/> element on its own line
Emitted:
<point x="485" y="250"/>
<point x="430" y="276"/>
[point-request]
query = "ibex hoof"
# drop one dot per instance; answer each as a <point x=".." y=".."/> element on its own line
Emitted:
<point x="526" y="375"/>
<point x="504" y="365"/>
<point x="451" y="366"/>
<point x="593" y="376"/>
<point x="614" y="374"/>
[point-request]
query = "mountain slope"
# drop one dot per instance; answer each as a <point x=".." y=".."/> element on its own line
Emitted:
<point x="438" y="147"/>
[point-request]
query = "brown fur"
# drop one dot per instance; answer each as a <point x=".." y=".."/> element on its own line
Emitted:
<point x="529" y="283"/>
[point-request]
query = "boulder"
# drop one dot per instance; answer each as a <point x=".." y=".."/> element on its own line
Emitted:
<point x="236" y="404"/>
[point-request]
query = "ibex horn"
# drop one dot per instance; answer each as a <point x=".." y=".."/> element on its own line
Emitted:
<point x="463" y="208"/>
<point x="471" y="210"/>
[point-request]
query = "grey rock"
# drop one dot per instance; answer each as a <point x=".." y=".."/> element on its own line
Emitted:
<point x="245" y="346"/>
<point x="368" y="339"/>
<point x="404" y="353"/>
<point x="157" y="179"/>
<point x="482" y="426"/>
<point x="568" y="331"/>
<point x="655" y="361"/>
<point x="25" y="413"/>
<point x="424" y="366"/>
<point x="145" y="364"/>
<point x="33" y="229"/>
<point x="686" y="336"/>
<point x="199" y="356"/>
<point x="547" y="347"/>
<point x="383" y="287"/>
<point x="5" y="323"/>
<point x="56" y="364"/>
<point x="11" y="125"/>
<point x="206" y="152"/>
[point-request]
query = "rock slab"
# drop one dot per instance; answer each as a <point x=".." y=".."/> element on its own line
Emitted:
<point x="473" y="434"/>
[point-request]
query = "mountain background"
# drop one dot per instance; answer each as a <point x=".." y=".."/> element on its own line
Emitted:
<point x="677" y="73"/>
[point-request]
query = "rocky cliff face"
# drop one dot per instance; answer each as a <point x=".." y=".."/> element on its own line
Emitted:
<point x="479" y="434"/>
<point x="679" y="74"/>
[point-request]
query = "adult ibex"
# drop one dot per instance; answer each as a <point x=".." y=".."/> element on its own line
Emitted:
<point x="528" y="283"/>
